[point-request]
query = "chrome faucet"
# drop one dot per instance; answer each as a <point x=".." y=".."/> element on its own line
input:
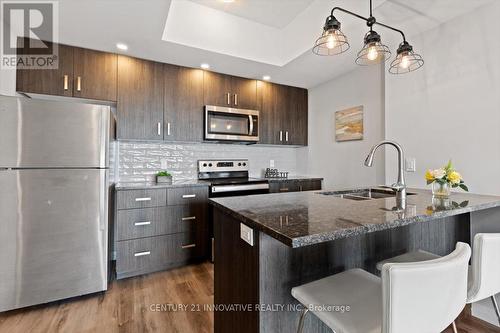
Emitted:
<point x="400" y="186"/>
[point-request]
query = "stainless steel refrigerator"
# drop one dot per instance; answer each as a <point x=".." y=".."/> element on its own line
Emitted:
<point x="53" y="200"/>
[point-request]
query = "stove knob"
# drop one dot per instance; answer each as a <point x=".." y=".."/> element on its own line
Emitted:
<point x="210" y="164"/>
<point x="204" y="164"/>
<point x="239" y="164"/>
<point x="244" y="164"/>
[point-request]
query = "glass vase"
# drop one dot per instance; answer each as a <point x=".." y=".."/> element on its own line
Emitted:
<point x="441" y="190"/>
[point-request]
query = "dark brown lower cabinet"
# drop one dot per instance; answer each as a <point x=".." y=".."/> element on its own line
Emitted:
<point x="294" y="185"/>
<point x="159" y="234"/>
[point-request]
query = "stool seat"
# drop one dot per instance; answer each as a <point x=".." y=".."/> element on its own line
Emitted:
<point x="356" y="288"/>
<point x="415" y="256"/>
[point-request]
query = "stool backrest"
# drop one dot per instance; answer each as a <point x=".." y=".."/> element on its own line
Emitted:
<point x="485" y="277"/>
<point x="427" y="296"/>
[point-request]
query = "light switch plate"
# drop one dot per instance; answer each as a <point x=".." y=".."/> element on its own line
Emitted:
<point x="246" y="234"/>
<point x="163" y="164"/>
<point x="271" y="163"/>
<point x="410" y="164"/>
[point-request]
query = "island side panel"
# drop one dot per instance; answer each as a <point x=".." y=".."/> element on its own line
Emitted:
<point x="236" y="276"/>
<point x="283" y="267"/>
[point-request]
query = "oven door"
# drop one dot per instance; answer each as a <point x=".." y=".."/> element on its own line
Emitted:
<point x="229" y="124"/>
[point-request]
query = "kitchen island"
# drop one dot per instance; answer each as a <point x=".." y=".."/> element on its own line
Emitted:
<point x="267" y="244"/>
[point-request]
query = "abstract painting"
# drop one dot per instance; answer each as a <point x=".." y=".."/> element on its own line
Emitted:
<point x="349" y="124"/>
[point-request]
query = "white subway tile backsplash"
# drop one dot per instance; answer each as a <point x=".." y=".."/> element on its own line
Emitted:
<point x="141" y="161"/>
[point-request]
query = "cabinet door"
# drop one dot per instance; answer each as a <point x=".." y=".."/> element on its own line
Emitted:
<point x="49" y="81"/>
<point x="243" y="93"/>
<point x="295" y="123"/>
<point x="272" y="100"/>
<point x="217" y="89"/>
<point x="95" y="75"/>
<point x="140" y="99"/>
<point x="183" y="104"/>
<point x="310" y="185"/>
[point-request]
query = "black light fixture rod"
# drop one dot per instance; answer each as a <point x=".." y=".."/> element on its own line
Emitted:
<point x="368" y="20"/>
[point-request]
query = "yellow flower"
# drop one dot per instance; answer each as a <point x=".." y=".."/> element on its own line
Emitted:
<point x="428" y="175"/>
<point x="454" y="177"/>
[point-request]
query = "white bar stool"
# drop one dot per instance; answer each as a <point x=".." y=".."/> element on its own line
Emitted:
<point x="410" y="297"/>
<point x="484" y="273"/>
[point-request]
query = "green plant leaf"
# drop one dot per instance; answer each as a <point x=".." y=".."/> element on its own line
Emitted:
<point x="464" y="187"/>
<point x="448" y="166"/>
<point x="430" y="182"/>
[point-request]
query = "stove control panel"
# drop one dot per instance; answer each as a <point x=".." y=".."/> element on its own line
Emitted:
<point x="223" y="165"/>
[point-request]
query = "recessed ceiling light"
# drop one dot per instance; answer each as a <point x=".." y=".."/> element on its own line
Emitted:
<point x="121" y="46"/>
<point x="266" y="78"/>
<point x="227" y="1"/>
<point x="205" y="66"/>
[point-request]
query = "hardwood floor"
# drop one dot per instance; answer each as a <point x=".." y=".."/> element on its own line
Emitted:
<point x="128" y="307"/>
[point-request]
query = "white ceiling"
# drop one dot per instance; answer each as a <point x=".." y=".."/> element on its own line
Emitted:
<point x="249" y="38"/>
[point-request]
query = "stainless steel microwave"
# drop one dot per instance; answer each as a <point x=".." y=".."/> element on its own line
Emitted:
<point x="230" y="124"/>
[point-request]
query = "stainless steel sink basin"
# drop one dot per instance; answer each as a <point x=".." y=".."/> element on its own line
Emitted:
<point x="363" y="194"/>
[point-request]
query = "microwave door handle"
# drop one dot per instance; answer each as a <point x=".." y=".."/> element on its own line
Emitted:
<point x="250" y="130"/>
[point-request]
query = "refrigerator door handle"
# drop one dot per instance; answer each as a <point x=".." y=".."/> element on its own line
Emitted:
<point x="103" y="203"/>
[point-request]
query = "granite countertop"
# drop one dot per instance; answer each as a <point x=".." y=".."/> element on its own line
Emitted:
<point x="195" y="182"/>
<point x="148" y="185"/>
<point x="304" y="218"/>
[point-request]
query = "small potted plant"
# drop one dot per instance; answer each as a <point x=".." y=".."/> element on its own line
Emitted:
<point x="444" y="179"/>
<point x="164" y="177"/>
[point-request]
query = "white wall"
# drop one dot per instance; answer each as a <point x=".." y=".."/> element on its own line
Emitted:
<point x="341" y="163"/>
<point x="8" y="82"/>
<point x="450" y="108"/>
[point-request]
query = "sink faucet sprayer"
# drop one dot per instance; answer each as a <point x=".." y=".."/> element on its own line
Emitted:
<point x="400" y="186"/>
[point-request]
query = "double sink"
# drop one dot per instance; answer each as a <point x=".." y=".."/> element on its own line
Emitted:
<point x="363" y="194"/>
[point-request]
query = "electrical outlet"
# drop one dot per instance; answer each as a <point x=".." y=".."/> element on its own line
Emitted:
<point x="164" y="164"/>
<point x="410" y="164"/>
<point x="271" y="163"/>
<point x="246" y="234"/>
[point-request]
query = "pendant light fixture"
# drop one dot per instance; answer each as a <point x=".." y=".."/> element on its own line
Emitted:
<point x="333" y="41"/>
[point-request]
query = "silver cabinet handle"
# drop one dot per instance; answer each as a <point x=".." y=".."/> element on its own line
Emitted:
<point x="281" y="135"/>
<point x="66" y="85"/>
<point x="286" y="136"/>
<point x="78" y="83"/>
<point x="188" y="246"/>
<point x="228" y="99"/>
<point x="236" y="99"/>
<point x="168" y="128"/>
<point x="140" y="254"/>
<point x="187" y="196"/>
<point x="137" y="224"/>
<point x="285" y="189"/>
<point x="189" y="218"/>
<point x="142" y="199"/>
<point x="250" y="126"/>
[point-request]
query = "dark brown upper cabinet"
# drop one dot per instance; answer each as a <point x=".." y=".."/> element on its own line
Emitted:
<point x="47" y="81"/>
<point x="229" y="91"/>
<point x="95" y="74"/>
<point x="140" y="99"/>
<point x="81" y="73"/>
<point x="283" y="111"/>
<point x="183" y="108"/>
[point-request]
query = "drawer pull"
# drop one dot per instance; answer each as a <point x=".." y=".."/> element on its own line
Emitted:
<point x="142" y="199"/>
<point x="140" y="254"/>
<point x="187" y="196"/>
<point x="285" y="189"/>
<point x="189" y="218"/>
<point x="142" y="223"/>
<point x="188" y="246"/>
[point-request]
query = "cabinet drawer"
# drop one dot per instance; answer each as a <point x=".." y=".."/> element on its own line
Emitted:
<point x="186" y="195"/>
<point x="146" y="222"/>
<point x="284" y="186"/>
<point x="310" y="185"/>
<point x="141" y="198"/>
<point x="151" y="254"/>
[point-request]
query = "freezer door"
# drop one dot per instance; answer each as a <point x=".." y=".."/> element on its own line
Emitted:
<point x="40" y="133"/>
<point x="53" y="235"/>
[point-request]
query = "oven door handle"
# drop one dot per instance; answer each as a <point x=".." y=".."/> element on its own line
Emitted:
<point x="250" y="125"/>
<point x="237" y="188"/>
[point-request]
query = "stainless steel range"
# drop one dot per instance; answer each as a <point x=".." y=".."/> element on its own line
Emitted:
<point x="230" y="178"/>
